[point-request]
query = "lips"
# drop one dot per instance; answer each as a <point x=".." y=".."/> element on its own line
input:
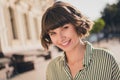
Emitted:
<point x="65" y="43"/>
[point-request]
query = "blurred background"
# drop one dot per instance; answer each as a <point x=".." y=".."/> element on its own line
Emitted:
<point x="21" y="55"/>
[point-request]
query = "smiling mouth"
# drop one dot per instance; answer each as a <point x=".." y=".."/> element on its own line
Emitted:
<point x="66" y="43"/>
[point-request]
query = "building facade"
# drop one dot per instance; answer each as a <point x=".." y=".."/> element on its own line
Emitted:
<point x="20" y="24"/>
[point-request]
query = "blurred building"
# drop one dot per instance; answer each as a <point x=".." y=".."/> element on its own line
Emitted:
<point x="20" y="24"/>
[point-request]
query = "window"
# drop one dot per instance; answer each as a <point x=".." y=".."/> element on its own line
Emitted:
<point x="26" y="26"/>
<point x="36" y="28"/>
<point x="13" y="23"/>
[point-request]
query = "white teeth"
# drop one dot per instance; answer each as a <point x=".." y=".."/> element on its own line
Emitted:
<point x="65" y="43"/>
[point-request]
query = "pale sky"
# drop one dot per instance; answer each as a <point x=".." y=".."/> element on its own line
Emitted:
<point x="90" y="8"/>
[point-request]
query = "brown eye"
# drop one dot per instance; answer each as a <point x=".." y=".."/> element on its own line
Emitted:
<point x="65" y="27"/>
<point x="52" y="33"/>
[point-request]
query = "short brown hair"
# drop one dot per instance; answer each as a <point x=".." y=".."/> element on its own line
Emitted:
<point x="59" y="14"/>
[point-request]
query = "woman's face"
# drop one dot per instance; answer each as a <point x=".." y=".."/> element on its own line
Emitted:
<point x="65" y="37"/>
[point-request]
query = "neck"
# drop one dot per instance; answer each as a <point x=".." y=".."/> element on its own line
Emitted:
<point x="76" y="54"/>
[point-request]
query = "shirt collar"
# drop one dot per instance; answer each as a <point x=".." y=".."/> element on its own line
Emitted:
<point x="88" y="54"/>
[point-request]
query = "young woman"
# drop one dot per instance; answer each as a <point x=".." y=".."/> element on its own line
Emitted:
<point x="65" y="27"/>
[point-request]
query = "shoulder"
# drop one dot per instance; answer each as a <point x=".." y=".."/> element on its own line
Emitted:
<point x="53" y="63"/>
<point x="99" y="53"/>
<point x="102" y="53"/>
<point x="103" y="57"/>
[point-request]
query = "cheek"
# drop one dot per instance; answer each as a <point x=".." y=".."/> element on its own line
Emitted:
<point x="72" y="34"/>
<point x="53" y="39"/>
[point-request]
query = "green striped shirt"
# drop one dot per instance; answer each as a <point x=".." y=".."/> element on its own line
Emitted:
<point x="98" y="65"/>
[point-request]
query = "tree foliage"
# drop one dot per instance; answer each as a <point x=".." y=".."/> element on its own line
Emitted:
<point x="111" y="16"/>
<point x="98" y="26"/>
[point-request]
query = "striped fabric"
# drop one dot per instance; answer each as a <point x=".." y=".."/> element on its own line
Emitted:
<point x="98" y="65"/>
